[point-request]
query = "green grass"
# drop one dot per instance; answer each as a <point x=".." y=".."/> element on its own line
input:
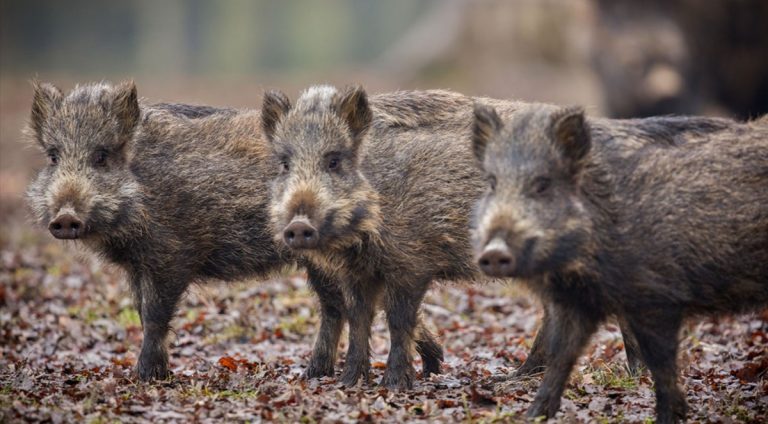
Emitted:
<point x="129" y="317"/>
<point x="614" y="378"/>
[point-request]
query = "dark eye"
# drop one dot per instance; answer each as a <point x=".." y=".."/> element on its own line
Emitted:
<point x="284" y="165"/>
<point x="100" y="158"/>
<point x="53" y="157"/>
<point x="333" y="163"/>
<point x="491" y="182"/>
<point x="541" y="185"/>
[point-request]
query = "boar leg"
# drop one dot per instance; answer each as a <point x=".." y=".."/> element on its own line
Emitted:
<point x="158" y="306"/>
<point x="657" y="334"/>
<point x="429" y="349"/>
<point x="361" y="301"/>
<point x="537" y="359"/>
<point x="571" y="330"/>
<point x="332" y="318"/>
<point x="631" y="348"/>
<point x="402" y="308"/>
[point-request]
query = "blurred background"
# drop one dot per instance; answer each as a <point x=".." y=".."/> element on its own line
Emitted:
<point x="619" y="58"/>
<point x="67" y="328"/>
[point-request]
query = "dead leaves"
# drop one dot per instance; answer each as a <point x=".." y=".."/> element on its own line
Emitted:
<point x="69" y="341"/>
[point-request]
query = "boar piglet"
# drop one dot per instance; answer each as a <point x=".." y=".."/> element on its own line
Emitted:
<point x="379" y="205"/>
<point x="172" y="194"/>
<point x="169" y="199"/>
<point x="671" y="231"/>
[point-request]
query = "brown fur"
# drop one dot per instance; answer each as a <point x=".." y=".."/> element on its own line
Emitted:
<point x="672" y="229"/>
<point x="149" y="207"/>
<point x="181" y="198"/>
<point x="392" y="215"/>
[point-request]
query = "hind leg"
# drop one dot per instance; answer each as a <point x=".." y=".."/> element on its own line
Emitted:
<point x="631" y="348"/>
<point x="537" y="359"/>
<point x="429" y="349"/>
<point x="657" y="334"/>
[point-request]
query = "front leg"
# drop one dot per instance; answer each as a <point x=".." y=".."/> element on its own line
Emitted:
<point x="158" y="306"/>
<point x="402" y="308"/>
<point x="332" y="317"/>
<point x="360" y="299"/>
<point x="570" y="332"/>
<point x="537" y="359"/>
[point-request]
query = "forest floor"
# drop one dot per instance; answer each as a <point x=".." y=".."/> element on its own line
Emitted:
<point x="69" y="339"/>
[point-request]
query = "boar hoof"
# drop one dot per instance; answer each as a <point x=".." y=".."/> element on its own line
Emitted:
<point x="353" y="372"/>
<point x="543" y="406"/>
<point x="149" y="371"/>
<point x="430" y="367"/>
<point x="526" y="370"/>
<point x="402" y="380"/>
<point x="318" y="369"/>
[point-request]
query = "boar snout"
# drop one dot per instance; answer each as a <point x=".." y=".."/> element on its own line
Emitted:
<point x="496" y="260"/>
<point x="66" y="225"/>
<point x="300" y="234"/>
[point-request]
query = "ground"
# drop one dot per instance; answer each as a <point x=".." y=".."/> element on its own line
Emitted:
<point x="69" y="340"/>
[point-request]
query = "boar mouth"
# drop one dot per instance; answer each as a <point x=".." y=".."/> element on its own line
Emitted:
<point x="566" y="248"/>
<point x="499" y="260"/>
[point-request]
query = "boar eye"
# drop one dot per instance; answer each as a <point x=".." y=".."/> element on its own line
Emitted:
<point x="492" y="182"/>
<point x="541" y="185"/>
<point x="284" y="165"/>
<point x="100" y="158"/>
<point x="53" y="157"/>
<point x="333" y="161"/>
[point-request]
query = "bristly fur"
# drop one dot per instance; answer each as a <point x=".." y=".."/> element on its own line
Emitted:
<point x="176" y="201"/>
<point x="180" y="198"/>
<point x="391" y="213"/>
<point x="651" y="220"/>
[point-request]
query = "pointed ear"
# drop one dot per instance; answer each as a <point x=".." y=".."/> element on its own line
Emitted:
<point x="352" y="106"/>
<point x="45" y="100"/>
<point x="274" y="106"/>
<point x="125" y="107"/>
<point x="487" y="124"/>
<point x="571" y="134"/>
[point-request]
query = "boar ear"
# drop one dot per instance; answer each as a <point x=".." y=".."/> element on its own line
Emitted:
<point x="570" y="133"/>
<point x="485" y="126"/>
<point x="352" y="106"/>
<point x="125" y="107"/>
<point x="45" y="100"/>
<point x="273" y="107"/>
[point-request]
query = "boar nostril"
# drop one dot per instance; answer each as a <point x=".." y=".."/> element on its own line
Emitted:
<point x="66" y="226"/>
<point x="309" y="235"/>
<point x="496" y="262"/>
